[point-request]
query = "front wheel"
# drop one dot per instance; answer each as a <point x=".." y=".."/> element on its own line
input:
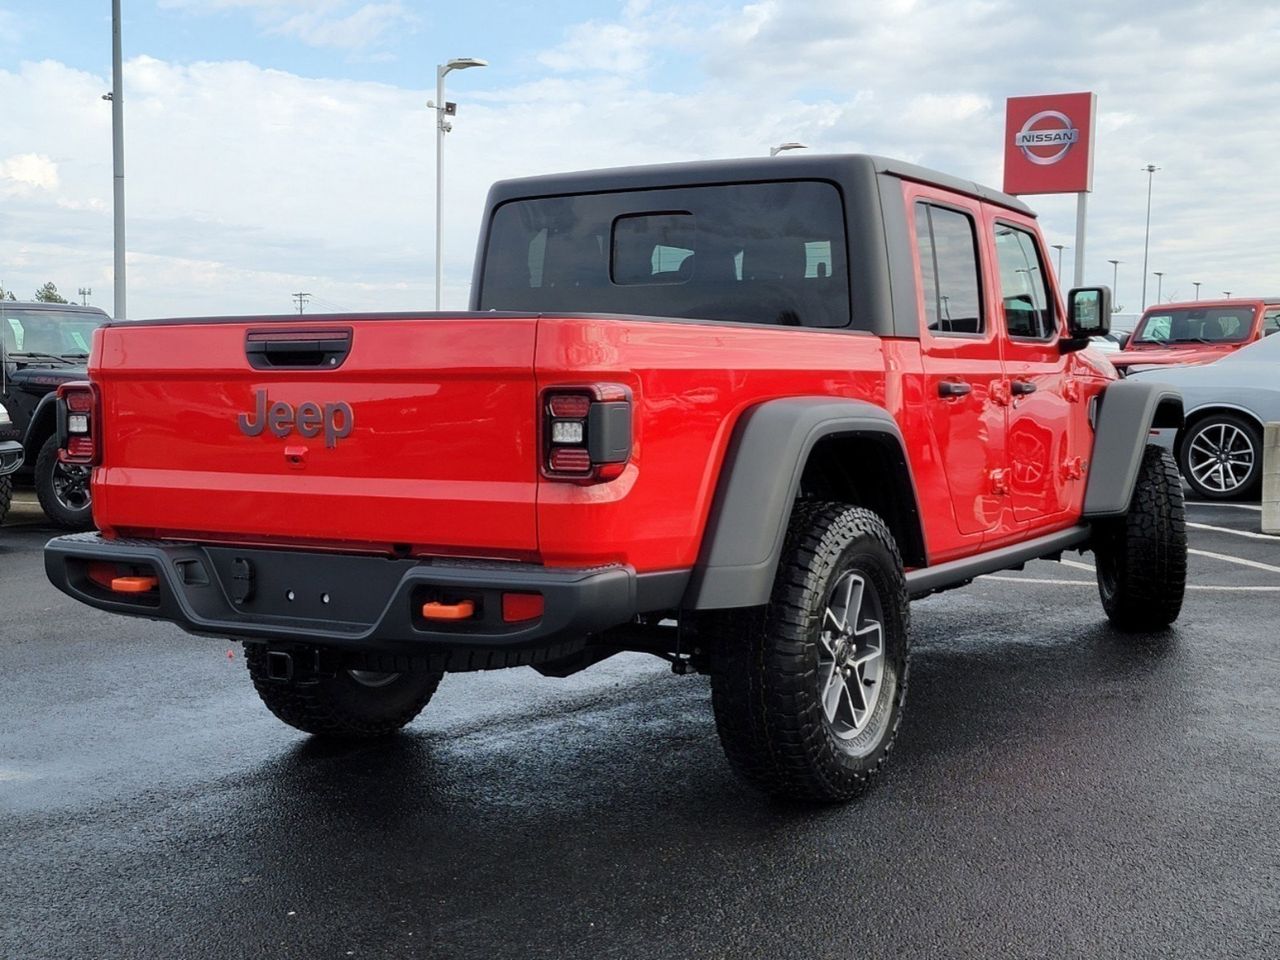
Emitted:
<point x="1142" y="556"/>
<point x="808" y="690"/>
<point x="63" y="489"/>
<point x="344" y="704"/>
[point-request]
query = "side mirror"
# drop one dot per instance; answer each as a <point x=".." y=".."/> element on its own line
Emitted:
<point x="1089" y="311"/>
<point x="1088" y="315"/>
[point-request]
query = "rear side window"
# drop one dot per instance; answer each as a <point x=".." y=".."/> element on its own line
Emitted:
<point x="1271" y="321"/>
<point x="1028" y="310"/>
<point x="757" y="252"/>
<point x="948" y="246"/>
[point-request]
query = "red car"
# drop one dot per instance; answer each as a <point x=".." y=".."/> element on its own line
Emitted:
<point x="1198" y="332"/>
<point x="732" y="414"/>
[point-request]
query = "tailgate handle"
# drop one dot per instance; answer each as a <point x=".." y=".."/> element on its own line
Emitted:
<point x="273" y="349"/>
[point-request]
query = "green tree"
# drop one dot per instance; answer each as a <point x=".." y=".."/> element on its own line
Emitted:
<point x="49" y="294"/>
<point x="6" y="294"/>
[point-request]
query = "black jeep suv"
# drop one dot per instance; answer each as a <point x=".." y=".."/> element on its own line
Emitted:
<point x="43" y="345"/>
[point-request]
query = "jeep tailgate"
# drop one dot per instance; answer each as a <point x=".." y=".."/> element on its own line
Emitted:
<point x="417" y="431"/>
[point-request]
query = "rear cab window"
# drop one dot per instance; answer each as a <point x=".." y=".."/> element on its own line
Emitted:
<point x="770" y="253"/>
<point x="1233" y="324"/>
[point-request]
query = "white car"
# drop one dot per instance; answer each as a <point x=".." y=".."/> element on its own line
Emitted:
<point x="1219" y="448"/>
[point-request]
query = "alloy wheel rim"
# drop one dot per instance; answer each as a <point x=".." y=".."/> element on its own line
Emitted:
<point x="71" y="486"/>
<point x="373" y="678"/>
<point x="1221" y="458"/>
<point x="850" y="656"/>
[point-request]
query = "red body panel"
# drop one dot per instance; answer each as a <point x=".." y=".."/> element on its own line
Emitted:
<point x="442" y="456"/>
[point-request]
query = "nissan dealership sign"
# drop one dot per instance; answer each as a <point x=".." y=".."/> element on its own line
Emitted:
<point x="1048" y="144"/>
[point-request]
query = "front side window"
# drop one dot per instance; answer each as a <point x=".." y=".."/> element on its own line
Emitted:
<point x="1028" y="308"/>
<point x="755" y="252"/>
<point x="1195" y="325"/>
<point x="948" y="248"/>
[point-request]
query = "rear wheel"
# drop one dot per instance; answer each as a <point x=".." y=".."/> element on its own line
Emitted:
<point x="1221" y="457"/>
<point x="808" y="690"/>
<point x="1142" y="556"/>
<point x="346" y="703"/>
<point x="63" y="489"/>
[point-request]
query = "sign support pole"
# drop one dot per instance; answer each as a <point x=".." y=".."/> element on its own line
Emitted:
<point x="1082" y="209"/>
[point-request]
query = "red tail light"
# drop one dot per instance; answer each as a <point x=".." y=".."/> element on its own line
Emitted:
<point x="586" y="432"/>
<point x="79" y="428"/>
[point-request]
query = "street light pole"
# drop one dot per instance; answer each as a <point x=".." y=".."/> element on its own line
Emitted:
<point x="1196" y="284"/>
<point x="1059" y="247"/>
<point x="789" y="145"/>
<point x="443" y="126"/>
<point x="117" y="159"/>
<point x="1115" y="279"/>
<point x="1159" y="275"/>
<point x="1151" y="169"/>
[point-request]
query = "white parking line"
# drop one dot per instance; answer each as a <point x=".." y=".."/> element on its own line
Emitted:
<point x="1215" y="503"/>
<point x="1077" y="564"/>
<point x="1240" y="560"/>
<point x="1238" y="533"/>
<point x="1090" y="583"/>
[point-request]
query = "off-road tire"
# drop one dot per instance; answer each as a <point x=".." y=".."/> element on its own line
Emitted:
<point x="339" y="706"/>
<point x="765" y="676"/>
<point x="60" y="514"/>
<point x="1142" y="556"/>
<point x="6" y="496"/>
<point x="1203" y="431"/>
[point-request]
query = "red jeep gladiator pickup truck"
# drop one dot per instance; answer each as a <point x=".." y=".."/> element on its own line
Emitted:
<point x="735" y="414"/>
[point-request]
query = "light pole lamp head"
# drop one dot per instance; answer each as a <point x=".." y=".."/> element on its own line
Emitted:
<point x="789" y="145"/>
<point x="461" y="63"/>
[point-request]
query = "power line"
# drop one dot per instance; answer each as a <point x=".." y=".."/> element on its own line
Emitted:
<point x="301" y="299"/>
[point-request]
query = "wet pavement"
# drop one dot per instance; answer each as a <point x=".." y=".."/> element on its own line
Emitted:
<point x="1057" y="790"/>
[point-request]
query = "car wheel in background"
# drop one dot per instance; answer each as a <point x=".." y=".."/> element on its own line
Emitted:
<point x="1221" y="457"/>
<point x="63" y="489"/>
<point x="1142" y="556"/>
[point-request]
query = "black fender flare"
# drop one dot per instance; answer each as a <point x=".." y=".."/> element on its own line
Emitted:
<point x="1126" y="412"/>
<point x="759" y="482"/>
<point x="35" y="435"/>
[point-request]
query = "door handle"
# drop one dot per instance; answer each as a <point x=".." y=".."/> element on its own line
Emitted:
<point x="1020" y="388"/>
<point x="952" y="388"/>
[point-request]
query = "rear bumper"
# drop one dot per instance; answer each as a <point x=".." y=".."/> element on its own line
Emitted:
<point x="349" y="601"/>
<point x="10" y="457"/>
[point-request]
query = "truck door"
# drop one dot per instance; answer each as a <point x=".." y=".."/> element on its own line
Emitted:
<point x="1045" y="476"/>
<point x="960" y="355"/>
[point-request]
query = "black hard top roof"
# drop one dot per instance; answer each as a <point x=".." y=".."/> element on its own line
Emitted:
<point x="835" y="167"/>
<point x="26" y="305"/>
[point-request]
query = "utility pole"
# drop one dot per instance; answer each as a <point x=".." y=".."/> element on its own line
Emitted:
<point x="1227" y="294"/>
<point x="1115" y="282"/>
<point x="116" y="96"/>
<point x="85" y="294"/>
<point x="1159" y="275"/>
<point x="301" y="299"/>
<point x="1059" y="247"/>
<point x="444" y="110"/>
<point x="1150" y="169"/>
<point x="1196" y="284"/>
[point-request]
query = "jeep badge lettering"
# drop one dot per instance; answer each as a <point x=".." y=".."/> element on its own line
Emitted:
<point x="309" y="419"/>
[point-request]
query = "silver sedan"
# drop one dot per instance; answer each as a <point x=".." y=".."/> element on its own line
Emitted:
<point x="1219" y="449"/>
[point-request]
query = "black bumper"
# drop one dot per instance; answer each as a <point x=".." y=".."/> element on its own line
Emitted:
<point x="10" y="457"/>
<point x="339" y="600"/>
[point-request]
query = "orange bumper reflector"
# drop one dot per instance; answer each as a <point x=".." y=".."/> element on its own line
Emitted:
<point x="134" y="584"/>
<point x="521" y="606"/>
<point x="448" y="611"/>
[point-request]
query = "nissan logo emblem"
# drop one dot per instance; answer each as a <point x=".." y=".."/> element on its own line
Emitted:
<point x="1057" y="136"/>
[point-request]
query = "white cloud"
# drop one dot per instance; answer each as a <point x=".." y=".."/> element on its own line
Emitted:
<point x="336" y="24"/>
<point x="30" y="170"/>
<point x="246" y="184"/>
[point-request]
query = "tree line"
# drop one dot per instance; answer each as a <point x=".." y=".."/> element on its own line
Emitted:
<point x="46" y="294"/>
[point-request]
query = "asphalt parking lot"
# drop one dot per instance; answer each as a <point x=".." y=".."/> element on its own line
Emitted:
<point x="1058" y="790"/>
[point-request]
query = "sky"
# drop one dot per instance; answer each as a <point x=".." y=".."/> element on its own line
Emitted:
<point x="276" y="146"/>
